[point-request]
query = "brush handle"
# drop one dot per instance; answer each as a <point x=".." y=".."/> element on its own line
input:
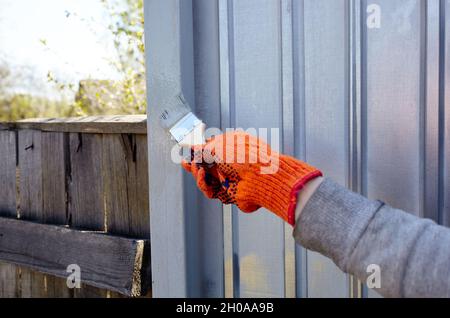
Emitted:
<point x="174" y="109"/>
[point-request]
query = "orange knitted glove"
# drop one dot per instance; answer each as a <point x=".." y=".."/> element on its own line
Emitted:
<point x="241" y="169"/>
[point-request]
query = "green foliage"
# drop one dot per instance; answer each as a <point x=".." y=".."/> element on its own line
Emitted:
<point x="127" y="28"/>
<point x="15" y="106"/>
<point x="21" y="106"/>
<point x="5" y="78"/>
<point x="127" y="95"/>
<point x="92" y="96"/>
<point x="108" y="97"/>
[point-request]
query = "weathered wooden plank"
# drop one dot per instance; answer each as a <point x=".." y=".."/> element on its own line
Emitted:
<point x="7" y="126"/>
<point x="30" y="166"/>
<point x="126" y="186"/>
<point x="54" y="178"/>
<point x="105" y="261"/>
<point x="32" y="284"/>
<point x="8" y="278"/>
<point x="56" y="287"/>
<point x="42" y="194"/>
<point x="88" y="291"/>
<point x="129" y="124"/>
<point x="8" y="173"/>
<point x="54" y="158"/>
<point x="86" y="208"/>
<point x="86" y="194"/>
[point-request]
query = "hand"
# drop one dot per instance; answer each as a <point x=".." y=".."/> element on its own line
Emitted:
<point x="243" y="170"/>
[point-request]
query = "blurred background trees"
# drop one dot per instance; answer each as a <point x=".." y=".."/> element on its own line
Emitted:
<point x="15" y="106"/>
<point x="123" y="94"/>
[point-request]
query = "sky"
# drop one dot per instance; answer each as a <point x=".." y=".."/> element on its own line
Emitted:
<point x="78" y="45"/>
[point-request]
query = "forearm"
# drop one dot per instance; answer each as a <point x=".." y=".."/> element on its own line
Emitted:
<point x="354" y="232"/>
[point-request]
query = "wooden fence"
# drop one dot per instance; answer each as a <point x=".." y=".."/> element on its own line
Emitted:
<point x="80" y="177"/>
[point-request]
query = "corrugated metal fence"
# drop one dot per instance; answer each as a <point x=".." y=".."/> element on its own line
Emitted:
<point x="365" y="99"/>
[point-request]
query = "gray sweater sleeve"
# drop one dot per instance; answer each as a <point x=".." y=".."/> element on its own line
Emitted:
<point x="413" y="254"/>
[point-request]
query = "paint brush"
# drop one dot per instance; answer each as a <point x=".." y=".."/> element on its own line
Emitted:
<point x="181" y="123"/>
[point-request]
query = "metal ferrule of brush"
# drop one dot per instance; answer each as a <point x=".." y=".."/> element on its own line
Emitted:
<point x="185" y="126"/>
<point x="181" y="123"/>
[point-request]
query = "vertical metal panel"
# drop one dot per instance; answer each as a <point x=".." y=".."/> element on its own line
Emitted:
<point x="395" y="134"/>
<point x="257" y="85"/>
<point x="444" y="113"/>
<point x="288" y="132"/>
<point x="207" y="95"/>
<point x="431" y="69"/>
<point x="298" y="34"/>
<point x="395" y="126"/>
<point x="327" y="117"/>
<point x="356" y="28"/>
<point x="169" y="56"/>
<point x="226" y="93"/>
